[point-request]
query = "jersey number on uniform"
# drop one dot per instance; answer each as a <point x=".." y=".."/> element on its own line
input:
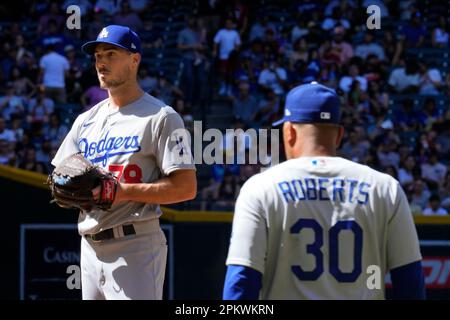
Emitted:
<point x="132" y="173"/>
<point x="333" y="236"/>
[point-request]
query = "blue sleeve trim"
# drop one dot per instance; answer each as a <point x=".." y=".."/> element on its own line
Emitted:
<point x="242" y="283"/>
<point x="408" y="282"/>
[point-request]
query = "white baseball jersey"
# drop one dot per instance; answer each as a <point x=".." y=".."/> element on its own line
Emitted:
<point x="140" y="142"/>
<point x="313" y="225"/>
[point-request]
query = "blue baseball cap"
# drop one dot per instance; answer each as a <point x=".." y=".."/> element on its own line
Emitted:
<point x="120" y="36"/>
<point x="311" y="103"/>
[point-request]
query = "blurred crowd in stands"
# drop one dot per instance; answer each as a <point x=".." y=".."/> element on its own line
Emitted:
<point x="394" y="82"/>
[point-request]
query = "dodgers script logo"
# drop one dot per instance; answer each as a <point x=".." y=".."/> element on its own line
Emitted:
<point x="108" y="147"/>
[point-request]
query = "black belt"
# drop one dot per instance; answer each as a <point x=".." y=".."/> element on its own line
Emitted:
<point x="108" y="234"/>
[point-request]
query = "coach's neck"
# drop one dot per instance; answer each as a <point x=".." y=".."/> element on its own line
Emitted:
<point x="124" y="94"/>
<point x="311" y="140"/>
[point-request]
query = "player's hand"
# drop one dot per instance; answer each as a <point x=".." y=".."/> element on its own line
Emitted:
<point x="118" y="197"/>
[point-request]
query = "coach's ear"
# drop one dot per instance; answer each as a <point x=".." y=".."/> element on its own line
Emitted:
<point x="290" y="137"/>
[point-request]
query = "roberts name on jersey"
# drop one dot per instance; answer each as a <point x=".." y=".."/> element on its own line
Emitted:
<point x="325" y="189"/>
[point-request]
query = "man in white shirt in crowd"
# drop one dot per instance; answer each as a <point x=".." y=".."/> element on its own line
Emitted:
<point x="353" y="74"/>
<point x="226" y="42"/>
<point x="405" y="79"/>
<point x="53" y="71"/>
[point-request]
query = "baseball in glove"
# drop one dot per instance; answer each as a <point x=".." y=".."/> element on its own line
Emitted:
<point x="72" y="181"/>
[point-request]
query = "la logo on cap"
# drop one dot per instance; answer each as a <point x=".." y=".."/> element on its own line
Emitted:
<point x="133" y="46"/>
<point x="103" y="34"/>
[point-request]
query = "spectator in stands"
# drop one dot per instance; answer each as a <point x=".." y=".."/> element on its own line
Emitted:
<point x="378" y="100"/>
<point x="408" y="172"/>
<point x="54" y="70"/>
<point x="110" y="7"/>
<point x="53" y="16"/>
<point x="430" y="80"/>
<point x="7" y="61"/>
<point x="338" y="50"/>
<point x="440" y="35"/>
<point x="420" y="194"/>
<point x="127" y="17"/>
<point x="93" y="95"/>
<point x="405" y="117"/>
<point x="226" y="45"/>
<point x="53" y="37"/>
<point x="273" y="43"/>
<point x="226" y="193"/>
<point x="392" y="171"/>
<point x="354" y="149"/>
<point x="139" y="6"/>
<point x="7" y="143"/>
<point x="146" y="81"/>
<point x="11" y="104"/>
<point x="300" y="52"/>
<point x="248" y="70"/>
<point x="42" y="96"/>
<point x="337" y="19"/>
<point x="152" y="35"/>
<point x="183" y="110"/>
<point x="433" y="171"/>
<point x="353" y="75"/>
<point x="344" y="6"/>
<point x="413" y="33"/>
<point x="445" y="193"/>
<point x="299" y="30"/>
<point x="165" y="90"/>
<point x="31" y="164"/>
<point x="17" y="128"/>
<point x="434" y="207"/>
<point x="245" y="105"/>
<point x="43" y="155"/>
<point x="240" y="11"/>
<point x="444" y="135"/>
<point x="259" y="28"/>
<point x="21" y="84"/>
<point x="268" y="108"/>
<point x="191" y="46"/>
<point x="55" y="131"/>
<point x="21" y="47"/>
<point x="218" y="170"/>
<point x="388" y="155"/>
<point x="273" y="77"/>
<point x="94" y="27"/>
<point x="405" y="79"/>
<point x="29" y="67"/>
<point x="429" y="115"/>
<point x="368" y="47"/>
<point x="73" y="80"/>
<point x="39" y="112"/>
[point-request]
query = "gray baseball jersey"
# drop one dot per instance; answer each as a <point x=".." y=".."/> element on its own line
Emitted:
<point x="140" y="142"/>
<point x="314" y="225"/>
